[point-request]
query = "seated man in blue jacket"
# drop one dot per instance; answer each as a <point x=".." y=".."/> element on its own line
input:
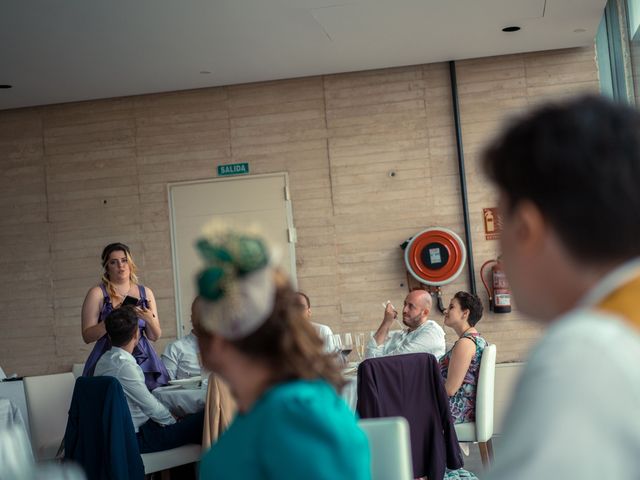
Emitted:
<point x="156" y="428"/>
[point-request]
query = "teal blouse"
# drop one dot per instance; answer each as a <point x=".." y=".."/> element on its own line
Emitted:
<point x="296" y="430"/>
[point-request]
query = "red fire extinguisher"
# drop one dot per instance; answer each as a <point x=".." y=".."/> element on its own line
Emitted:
<point x="500" y="294"/>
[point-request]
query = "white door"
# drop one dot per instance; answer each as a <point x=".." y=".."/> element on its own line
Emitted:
<point x="260" y="200"/>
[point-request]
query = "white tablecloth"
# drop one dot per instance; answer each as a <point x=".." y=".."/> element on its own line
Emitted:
<point x="350" y="390"/>
<point x="14" y="391"/>
<point x="16" y="458"/>
<point x="182" y="401"/>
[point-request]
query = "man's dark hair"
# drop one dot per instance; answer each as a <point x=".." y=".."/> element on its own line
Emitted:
<point x="306" y="298"/>
<point x="121" y="325"/>
<point x="471" y="302"/>
<point x="579" y="163"/>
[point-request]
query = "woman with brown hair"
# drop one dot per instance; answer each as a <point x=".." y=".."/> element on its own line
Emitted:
<point x="291" y="423"/>
<point x="119" y="281"/>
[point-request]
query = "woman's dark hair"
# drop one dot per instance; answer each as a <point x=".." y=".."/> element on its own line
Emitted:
<point x="471" y="302"/>
<point x="579" y="163"/>
<point x="121" y="325"/>
<point x="291" y="346"/>
<point x="306" y="298"/>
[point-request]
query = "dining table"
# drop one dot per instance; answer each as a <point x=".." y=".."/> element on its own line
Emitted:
<point x="16" y="456"/>
<point x="14" y="391"/>
<point x="182" y="400"/>
<point x="349" y="392"/>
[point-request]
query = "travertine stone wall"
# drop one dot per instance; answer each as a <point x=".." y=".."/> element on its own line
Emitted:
<point x="74" y="177"/>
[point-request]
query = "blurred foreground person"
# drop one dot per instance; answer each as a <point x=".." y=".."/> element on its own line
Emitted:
<point x="291" y="423"/>
<point x="568" y="177"/>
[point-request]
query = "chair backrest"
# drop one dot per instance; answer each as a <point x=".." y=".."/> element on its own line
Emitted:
<point x="48" y="400"/>
<point x="100" y="435"/>
<point x="485" y="394"/>
<point x="412" y="387"/>
<point x="390" y="448"/>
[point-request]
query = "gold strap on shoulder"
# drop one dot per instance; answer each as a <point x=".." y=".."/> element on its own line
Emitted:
<point x="625" y="302"/>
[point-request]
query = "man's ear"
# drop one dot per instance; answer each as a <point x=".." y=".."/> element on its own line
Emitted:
<point x="530" y="227"/>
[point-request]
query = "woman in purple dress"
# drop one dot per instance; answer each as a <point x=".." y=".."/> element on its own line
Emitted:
<point x="119" y="280"/>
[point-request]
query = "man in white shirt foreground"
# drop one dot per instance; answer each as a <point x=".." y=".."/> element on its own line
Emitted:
<point x="568" y="177"/>
<point x="182" y="356"/>
<point x="323" y="330"/>
<point x="155" y="426"/>
<point x="421" y="335"/>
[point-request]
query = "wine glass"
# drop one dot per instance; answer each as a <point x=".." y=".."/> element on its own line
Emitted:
<point x="337" y="342"/>
<point x="347" y="344"/>
<point x="360" y="344"/>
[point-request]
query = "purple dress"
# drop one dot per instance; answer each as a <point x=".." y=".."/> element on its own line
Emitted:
<point x="155" y="373"/>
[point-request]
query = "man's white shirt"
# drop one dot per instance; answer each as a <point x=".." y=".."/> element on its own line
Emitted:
<point x="427" y="338"/>
<point x="143" y="406"/>
<point x="181" y="358"/>
<point x="327" y="337"/>
<point x="574" y="411"/>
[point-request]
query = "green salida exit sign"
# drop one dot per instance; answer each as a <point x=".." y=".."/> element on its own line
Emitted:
<point x="233" y="169"/>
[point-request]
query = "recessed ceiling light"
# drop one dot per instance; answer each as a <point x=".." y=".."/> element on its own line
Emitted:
<point x="205" y="72"/>
<point x="513" y="28"/>
<point x="6" y="86"/>
<point x="580" y="30"/>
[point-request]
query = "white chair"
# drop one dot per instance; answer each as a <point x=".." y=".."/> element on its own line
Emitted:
<point x="166" y="459"/>
<point x="77" y="369"/>
<point x="48" y="400"/>
<point x="481" y="430"/>
<point x="390" y="448"/>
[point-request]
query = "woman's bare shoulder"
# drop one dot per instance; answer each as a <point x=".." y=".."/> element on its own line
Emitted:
<point x="95" y="292"/>
<point x="465" y="344"/>
<point x="148" y="291"/>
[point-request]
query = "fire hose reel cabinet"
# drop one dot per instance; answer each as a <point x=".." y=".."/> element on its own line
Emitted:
<point x="435" y="256"/>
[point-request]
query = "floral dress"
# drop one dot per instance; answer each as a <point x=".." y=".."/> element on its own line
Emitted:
<point x="463" y="402"/>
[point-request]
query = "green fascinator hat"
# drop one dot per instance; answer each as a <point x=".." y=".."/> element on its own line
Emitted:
<point x="236" y="281"/>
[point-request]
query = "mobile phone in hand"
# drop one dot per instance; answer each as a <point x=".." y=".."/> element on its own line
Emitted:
<point x="129" y="300"/>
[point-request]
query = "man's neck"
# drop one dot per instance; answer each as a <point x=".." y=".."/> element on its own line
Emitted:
<point x="413" y="329"/>
<point x="128" y="347"/>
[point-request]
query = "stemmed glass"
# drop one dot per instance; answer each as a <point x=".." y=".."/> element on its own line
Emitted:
<point x="337" y="342"/>
<point x="360" y="344"/>
<point x="347" y="344"/>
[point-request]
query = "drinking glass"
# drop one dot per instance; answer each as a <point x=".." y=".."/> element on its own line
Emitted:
<point x="337" y="342"/>
<point x="360" y="344"/>
<point x="347" y="344"/>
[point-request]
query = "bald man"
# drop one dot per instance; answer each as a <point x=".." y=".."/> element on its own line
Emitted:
<point x="421" y="335"/>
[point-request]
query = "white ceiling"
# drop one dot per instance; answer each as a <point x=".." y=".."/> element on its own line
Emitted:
<point x="55" y="51"/>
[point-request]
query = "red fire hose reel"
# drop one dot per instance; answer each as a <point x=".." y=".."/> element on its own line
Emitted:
<point x="435" y="256"/>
